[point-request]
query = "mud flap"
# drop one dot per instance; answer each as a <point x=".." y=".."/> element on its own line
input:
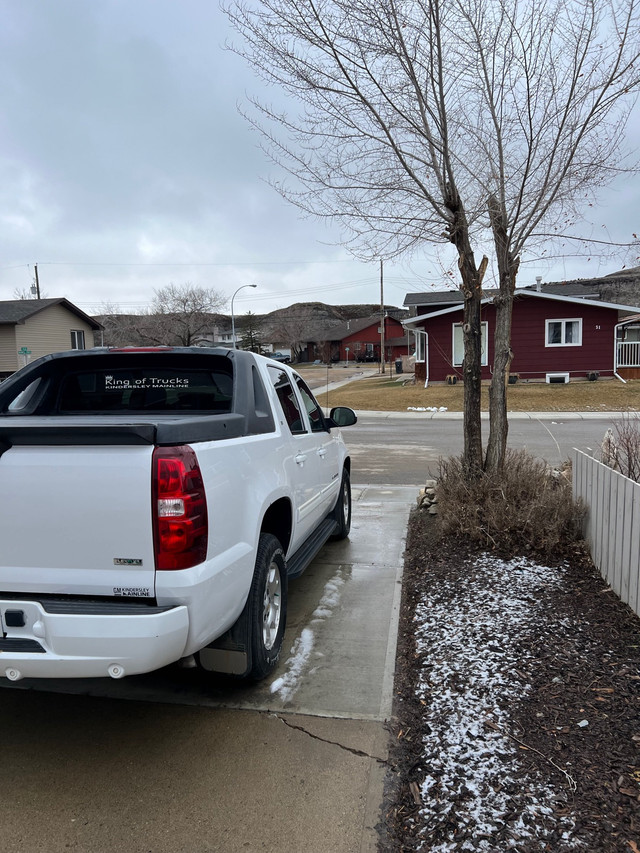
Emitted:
<point x="230" y="654"/>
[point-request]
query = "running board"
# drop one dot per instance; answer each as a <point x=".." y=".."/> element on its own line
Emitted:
<point x="310" y="547"/>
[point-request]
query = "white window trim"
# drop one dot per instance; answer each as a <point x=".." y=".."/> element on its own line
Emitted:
<point x="484" y="357"/>
<point x="420" y="346"/>
<point x="77" y="334"/>
<point x="564" y="321"/>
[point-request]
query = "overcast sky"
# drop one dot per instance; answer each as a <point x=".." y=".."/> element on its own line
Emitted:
<point x="124" y="166"/>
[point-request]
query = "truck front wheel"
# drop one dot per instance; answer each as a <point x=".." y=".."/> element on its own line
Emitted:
<point x="267" y="607"/>
<point x="342" y="512"/>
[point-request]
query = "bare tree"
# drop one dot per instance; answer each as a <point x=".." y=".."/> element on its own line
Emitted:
<point x="323" y="348"/>
<point x="293" y="329"/>
<point x="119" y="330"/>
<point x="429" y="121"/>
<point x="180" y="315"/>
<point x="27" y="293"/>
<point x="550" y="88"/>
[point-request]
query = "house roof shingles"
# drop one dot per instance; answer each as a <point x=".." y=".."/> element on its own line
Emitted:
<point x="16" y="311"/>
<point x="585" y="288"/>
<point x="352" y="327"/>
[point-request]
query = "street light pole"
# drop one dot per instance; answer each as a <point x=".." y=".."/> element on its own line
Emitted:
<point x="233" y="317"/>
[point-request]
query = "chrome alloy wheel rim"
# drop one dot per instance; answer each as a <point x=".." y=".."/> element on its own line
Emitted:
<point x="272" y="607"/>
<point x="345" y="503"/>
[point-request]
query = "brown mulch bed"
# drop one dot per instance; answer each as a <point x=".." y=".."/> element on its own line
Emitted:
<point x="575" y="729"/>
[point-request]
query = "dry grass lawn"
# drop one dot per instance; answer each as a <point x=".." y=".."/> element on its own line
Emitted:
<point x="389" y="395"/>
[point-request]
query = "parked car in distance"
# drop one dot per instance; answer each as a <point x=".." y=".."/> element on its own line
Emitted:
<point x="279" y="356"/>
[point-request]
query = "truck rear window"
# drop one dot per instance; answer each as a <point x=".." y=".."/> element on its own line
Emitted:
<point x="145" y="389"/>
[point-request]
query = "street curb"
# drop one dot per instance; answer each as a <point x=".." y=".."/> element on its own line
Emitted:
<point x="512" y="416"/>
<point x="458" y="416"/>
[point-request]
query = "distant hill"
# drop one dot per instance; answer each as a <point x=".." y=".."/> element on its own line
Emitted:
<point x="302" y="321"/>
<point x="317" y="316"/>
<point x="339" y="313"/>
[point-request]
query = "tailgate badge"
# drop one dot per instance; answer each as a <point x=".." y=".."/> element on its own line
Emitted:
<point x="126" y="561"/>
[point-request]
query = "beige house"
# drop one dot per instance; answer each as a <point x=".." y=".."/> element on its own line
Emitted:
<point x="30" y="328"/>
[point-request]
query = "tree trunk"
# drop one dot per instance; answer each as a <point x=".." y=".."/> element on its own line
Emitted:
<point x="471" y="330"/>
<point x="472" y="425"/>
<point x="502" y="357"/>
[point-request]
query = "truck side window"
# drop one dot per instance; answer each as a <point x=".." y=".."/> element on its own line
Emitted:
<point x="288" y="401"/>
<point x="313" y="409"/>
<point x="24" y="399"/>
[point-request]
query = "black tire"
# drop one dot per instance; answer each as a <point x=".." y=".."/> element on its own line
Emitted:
<point x="342" y="511"/>
<point x="267" y="607"/>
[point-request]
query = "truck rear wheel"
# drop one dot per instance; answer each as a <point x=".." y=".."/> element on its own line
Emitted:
<point x="342" y="512"/>
<point x="267" y="606"/>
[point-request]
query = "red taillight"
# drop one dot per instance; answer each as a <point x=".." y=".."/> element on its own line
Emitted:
<point x="180" y="526"/>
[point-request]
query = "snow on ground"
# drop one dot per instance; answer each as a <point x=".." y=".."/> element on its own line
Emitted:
<point x="471" y="635"/>
<point x="426" y="408"/>
<point x="302" y="650"/>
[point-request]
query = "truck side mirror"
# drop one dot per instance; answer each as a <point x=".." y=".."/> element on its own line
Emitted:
<point x="342" y="416"/>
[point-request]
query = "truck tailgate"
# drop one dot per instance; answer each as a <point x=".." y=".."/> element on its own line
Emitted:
<point x="76" y="520"/>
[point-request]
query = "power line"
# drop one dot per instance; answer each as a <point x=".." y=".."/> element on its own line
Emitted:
<point x="323" y="288"/>
<point x="192" y="263"/>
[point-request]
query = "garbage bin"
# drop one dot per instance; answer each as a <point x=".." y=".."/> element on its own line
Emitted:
<point x="398" y="365"/>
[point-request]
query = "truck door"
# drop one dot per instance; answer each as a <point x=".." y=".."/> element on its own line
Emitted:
<point x="326" y="453"/>
<point x="302" y="469"/>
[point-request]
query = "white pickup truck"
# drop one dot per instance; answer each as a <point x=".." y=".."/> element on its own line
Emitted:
<point x="154" y="504"/>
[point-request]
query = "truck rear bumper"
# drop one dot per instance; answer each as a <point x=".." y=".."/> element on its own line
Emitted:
<point x="88" y="639"/>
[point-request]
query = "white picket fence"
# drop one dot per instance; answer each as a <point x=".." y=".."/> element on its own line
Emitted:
<point x="612" y="525"/>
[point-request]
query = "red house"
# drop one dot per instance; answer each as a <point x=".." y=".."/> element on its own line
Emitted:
<point x="554" y="338"/>
<point x="360" y="340"/>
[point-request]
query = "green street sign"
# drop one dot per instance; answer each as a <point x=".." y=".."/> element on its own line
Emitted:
<point x="24" y="351"/>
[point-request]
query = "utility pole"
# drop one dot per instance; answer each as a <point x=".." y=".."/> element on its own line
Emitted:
<point x="382" y="365"/>
<point x="37" y="282"/>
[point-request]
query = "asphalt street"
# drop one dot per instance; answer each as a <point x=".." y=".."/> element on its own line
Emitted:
<point x="405" y="448"/>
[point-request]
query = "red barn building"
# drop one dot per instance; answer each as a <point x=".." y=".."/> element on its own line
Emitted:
<point x="553" y="338"/>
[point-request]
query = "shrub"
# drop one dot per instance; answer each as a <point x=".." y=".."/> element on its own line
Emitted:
<point x="621" y="450"/>
<point x="526" y="509"/>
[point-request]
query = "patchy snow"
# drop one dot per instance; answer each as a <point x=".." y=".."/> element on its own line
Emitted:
<point x="468" y="679"/>
<point x="426" y="408"/>
<point x="301" y="651"/>
<point x="330" y="598"/>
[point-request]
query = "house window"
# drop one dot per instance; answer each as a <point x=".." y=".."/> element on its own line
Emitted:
<point x="77" y="339"/>
<point x="458" y="344"/>
<point x="420" y="345"/>
<point x="563" y="333"/>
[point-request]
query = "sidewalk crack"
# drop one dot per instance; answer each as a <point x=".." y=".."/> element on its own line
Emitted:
<point x="360" y="753"/>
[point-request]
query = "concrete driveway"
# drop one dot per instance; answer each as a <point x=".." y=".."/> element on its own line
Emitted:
<point x="173" y="762"/>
